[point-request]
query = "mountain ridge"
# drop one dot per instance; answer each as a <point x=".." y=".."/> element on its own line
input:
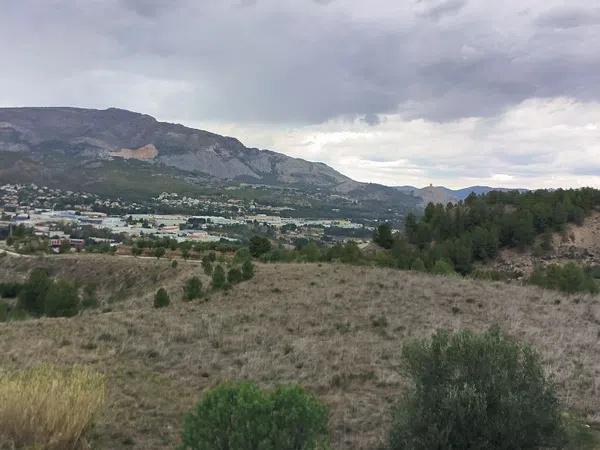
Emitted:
<point x="53" y="142"/>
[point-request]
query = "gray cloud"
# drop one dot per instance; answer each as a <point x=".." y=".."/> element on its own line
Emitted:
<point x="569" y="17"/>
<point x="444" y="8"/>
<point x="290" y="62"/>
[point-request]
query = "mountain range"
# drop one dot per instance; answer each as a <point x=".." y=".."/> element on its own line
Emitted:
<point x="441" y="194"/>
<point x="107" y="151"/>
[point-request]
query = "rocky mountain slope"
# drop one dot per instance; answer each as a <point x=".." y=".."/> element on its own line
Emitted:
<point x="47" y="145"/>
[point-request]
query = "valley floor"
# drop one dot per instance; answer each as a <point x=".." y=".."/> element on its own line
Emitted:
<point x="335" y="329"/>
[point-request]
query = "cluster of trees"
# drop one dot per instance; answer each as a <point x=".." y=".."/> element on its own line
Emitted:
<point x="241" y="269"/>
<point x="24" y="241"/>
<point x="474" y="230"/>
<point x="466" y="390"/>
<point x="158" y="247"/>
<point x="569" y="278"/>
<point x="41" y="295"/>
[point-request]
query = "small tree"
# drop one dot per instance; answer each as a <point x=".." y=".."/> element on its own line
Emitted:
<point x="174" y="264"/>
<point x="442" y="267"/>
<point x="136" y="251"/>
<point x="61" y="299"/>
<point x="161" y="298"/>
<point x="259" y="245"/>
<point x="89" y="299"/>
<point x="192" y="289"/>
<point x="159" y="252"/>
<point x="240" y="416"/>
<point x="218" y="278"/>
<point x="33" y="294"/>
<point x="478" y="391"/>
<point x="207" y="265"/>
<point x="234" y="275"/>
<point x="247" y="270"/>
<point x="383" y="236"/>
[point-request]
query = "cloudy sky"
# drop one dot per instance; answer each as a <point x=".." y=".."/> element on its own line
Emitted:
<point x="453" y="92"/>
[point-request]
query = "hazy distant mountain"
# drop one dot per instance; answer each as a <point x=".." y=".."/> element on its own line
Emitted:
<point x="441" y="194"/>
<point x="82" y="148"/>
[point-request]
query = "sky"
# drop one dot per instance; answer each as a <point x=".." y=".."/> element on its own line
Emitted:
<point x="410" y="92"/>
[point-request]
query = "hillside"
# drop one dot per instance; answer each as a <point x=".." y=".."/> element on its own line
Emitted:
<point x="443" y="195"/>
<point x="577" y="243"/>
<point x="335" y="329"/>
<point x="86" y="149"/>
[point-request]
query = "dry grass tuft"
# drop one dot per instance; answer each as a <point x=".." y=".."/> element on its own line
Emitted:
<point x="49" y="408"/>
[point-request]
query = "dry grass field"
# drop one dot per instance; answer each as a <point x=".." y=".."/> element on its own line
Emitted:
<point x="337" y="330"/>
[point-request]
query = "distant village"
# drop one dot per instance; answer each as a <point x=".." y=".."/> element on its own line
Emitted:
<point x="54" y="215"/>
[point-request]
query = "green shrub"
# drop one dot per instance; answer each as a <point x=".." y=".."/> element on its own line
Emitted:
<point x="218" y="278"/>
<point x="240" y="416"/>
<point x="159" y="252"/>
<point x="161" y="298"/>
<point x="17" y="314"/>
<point x="10" y="290"/>
<point x="475" y="391"/>
<point x="234" y="275"/>
<point x="383" y="236"/>
<point x="259" y="245"/>
<point x="174" y="264"/>
<point x="442" y="267"/>
<point x="3" y="312"/>
<point x="89" y="299"/>
<point x="61" y="300"/>
<point x="569" y="278"/>
<point x="192" y="289"/>
<point x="492" y="275"/>
<point x="418" y="265"/>
<point x="33" y="294"/>
<point x="247" y="270"/>
<point x="207" y="265"/>
<point x="241" y="255"/>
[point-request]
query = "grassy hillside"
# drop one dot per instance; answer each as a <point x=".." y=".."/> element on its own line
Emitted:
<point x="335" y="329"/>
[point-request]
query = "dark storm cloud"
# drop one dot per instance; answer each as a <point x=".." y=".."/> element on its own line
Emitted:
<point x="298" y="62"/>
<point x="439" y="10"/>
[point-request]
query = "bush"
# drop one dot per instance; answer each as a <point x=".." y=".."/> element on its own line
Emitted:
<point x="218" y="278"/>
<point x="159" y="252"/>
<point x="383" y="236"/>
<point x="442" y="267"/>
<point x="418" y="265"/>
<point x="174" y="264"/>
<point x="61" y="300"/>
<point x="247" y="270"/>
<point x="240" y="416"/>
<point x="10" y="290"/>
<point x="46" y="407"/>
<point x="569" y="278"/>
<point x="33" y="294"/>
<point x="234" y="275"/>
<point x="207" y="265"/>
<point x="241" y="255"/>
<point x="3" y="312"/>
<point x="478" y="391"/>
<point x="259" y="245"/>
<point x="161" y="298"/>
<point x="192" y="289"/>
<point x="89" y="299"/>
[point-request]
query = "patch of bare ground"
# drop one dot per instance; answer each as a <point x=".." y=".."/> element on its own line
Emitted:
<point x="337" y="330"/>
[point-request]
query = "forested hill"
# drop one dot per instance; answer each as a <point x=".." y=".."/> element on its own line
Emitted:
<point x="478" y="227"/>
